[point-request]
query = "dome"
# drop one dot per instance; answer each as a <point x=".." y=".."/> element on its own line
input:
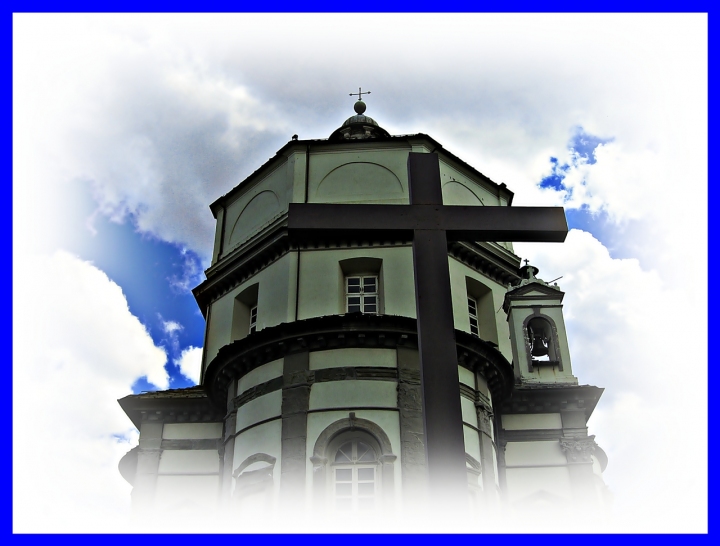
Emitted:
<point x="359" y="119"/>
<point x="359" y="126"/>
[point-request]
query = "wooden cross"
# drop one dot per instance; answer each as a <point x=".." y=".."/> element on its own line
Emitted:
<point x="360" y="93"/>
<point x="430" y="225"/>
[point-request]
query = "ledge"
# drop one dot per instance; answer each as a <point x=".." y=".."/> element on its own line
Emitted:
<point x="345" y="331"/>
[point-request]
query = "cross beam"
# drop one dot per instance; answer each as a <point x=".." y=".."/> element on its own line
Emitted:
<point x="430" y="225"/>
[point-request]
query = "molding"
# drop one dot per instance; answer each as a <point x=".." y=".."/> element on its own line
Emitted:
<point x="190" y="405"/>
<point x="532" y="435"/>
<point x="346" y="331"/>
<point x="205" y="443"/>
<point x="309" y="378"/>
<point x="485" y="259"/>
<point x="271" y="244"/>
<point x="252" y="459"/>
<point x="551" y="399"/>
<point x="349" y="424"/>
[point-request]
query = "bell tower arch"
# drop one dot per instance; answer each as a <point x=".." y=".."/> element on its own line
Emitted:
<point x="537" y="330"/>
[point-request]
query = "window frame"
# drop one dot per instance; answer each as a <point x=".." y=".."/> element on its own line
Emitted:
<point x="355" y="465"/>
<point x="474" y="316"/>
<point x="253" y="319"/>
<point x="361" y="294"/>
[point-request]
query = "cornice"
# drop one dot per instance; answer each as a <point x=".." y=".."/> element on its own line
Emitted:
<point x="171" y="407"/>
<point x="489" y="259"/>
<point x="551" y="399"/>
<point x="345" y="331"/>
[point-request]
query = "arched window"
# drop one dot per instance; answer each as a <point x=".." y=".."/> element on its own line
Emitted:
<point x="254" y="483"/>
<point x="354" y="472"/>
<point x="353" y="466"/>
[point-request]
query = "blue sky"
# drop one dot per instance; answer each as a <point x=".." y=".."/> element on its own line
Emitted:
<point x="150" y="118"/>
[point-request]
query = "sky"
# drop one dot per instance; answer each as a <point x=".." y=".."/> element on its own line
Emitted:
<point x="126" y="127"/>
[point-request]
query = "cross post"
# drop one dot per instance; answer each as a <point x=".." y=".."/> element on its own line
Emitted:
<point x="360" y="93"/>
<point x="430" y="225"/>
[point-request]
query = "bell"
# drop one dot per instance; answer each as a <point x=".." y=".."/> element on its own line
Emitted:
<point x="539" y="345"/>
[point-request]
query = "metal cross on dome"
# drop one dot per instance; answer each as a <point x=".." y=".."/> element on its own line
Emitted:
<point x="430" y="225"/>
<point x="360" y="93"/>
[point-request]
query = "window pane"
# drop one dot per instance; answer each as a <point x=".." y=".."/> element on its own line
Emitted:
<point x="353" y="300"/>
<point x="353" y="285"/>
<point x="344" y="453"/>
<point x="353" y="289"/>
<point x="365" y="452"/>
<point x="343" y="474"/>
<point x="370" y="304"/>
<point x="366" y="474"/>
<point x="366" y="489"/>
<point x="353" y="309"/>
<point x="343" y="489"/>
<point x="369" y="285"/>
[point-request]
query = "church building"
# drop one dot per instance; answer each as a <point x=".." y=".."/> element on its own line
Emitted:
<point x="313" y="386"/>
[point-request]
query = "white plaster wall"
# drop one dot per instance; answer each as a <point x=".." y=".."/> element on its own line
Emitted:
<point x="276" y="304"/>
<point x="259" y="409"/>
<point x="523" y="482"/>
<point x="261" y="202"/>
<point x="265" y="438"/>
<point x="192" y="431"/>
<point x="532" y="421"/>
<point x="344" y="394"/>
<point x="321" y="281"/>
<point x="466" y="376"/>
<point x="461" y="189"/>
<point x="472" y="442"/>
<point x="261" y="374"/>
<point x="325" y="174"/>
<point x="353" y="357"/>
<point x="189" y="461"/>
<point x="534" y="453"/>
<point x="186" y="492"/>
<point x="469" y="414"/>
<point x="219" y="324"/>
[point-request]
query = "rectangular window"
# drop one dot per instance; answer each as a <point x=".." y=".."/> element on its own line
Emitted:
<point x="253" y="319"/>
<point x="361" y="294"/>
<point x="472" y="311"/>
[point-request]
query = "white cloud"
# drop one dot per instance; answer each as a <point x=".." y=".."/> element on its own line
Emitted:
<point x="164" y="113"/>
<point x="77" y="349"/>
<point x="171" y="327"/>
<point x="639" y="338"/>
<point x="189" y="363"/>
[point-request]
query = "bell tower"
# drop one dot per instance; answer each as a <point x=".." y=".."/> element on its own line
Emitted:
<point x="537" y="330"/>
